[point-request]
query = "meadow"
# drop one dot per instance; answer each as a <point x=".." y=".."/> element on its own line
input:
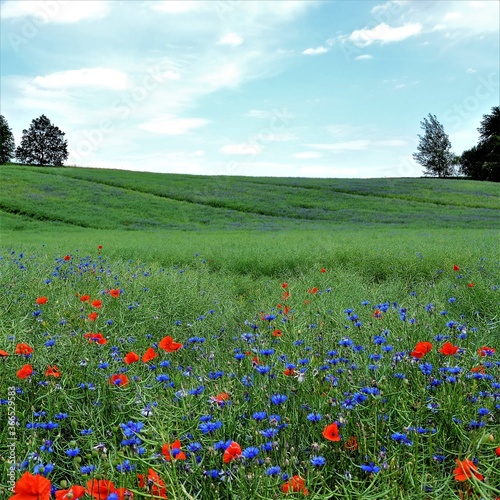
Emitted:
<point x="256" y="338"/>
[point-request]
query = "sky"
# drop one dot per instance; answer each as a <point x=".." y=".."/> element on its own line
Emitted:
<point x="310" y="88"/>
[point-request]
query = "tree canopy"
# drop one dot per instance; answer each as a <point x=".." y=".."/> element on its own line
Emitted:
<point x="7" y="145"/>
<point x="42" y="144"/>
<point x="434" y="149"/>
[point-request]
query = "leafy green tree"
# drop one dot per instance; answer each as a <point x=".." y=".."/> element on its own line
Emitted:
<point x="482" y="162"/>
<point x="7" y="145"/>
<point x="42" y="144"/>
<point x="434" y="149"/>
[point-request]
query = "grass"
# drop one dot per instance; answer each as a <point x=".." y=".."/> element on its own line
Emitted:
<point x="212" y="267"/>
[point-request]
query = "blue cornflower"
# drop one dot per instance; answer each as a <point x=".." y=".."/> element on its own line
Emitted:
<point x="318" y="461"/>
<point x="269" y="433"/>
<point x="259" y="415"/>
<point x="278" y="399"/>
<point x="208" y="427"/>
<point x="73" y="452"/>
<point x="370" y="468"/>
<point x="126" y="466"/>
<point x="401" y="438"/>
<point x="314" y="417"/>
<point x="250" y="452"/>
<point x="273" y="470"/>
<point x="87" y="469"/>
<point x="426" y="368"/>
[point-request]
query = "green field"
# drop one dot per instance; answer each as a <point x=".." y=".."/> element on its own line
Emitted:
<point x="299" y="303"/>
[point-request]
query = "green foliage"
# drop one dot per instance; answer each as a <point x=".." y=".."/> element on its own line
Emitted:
<point x="434" y="149"/>
<point x="482" y="162"/>
<point x="7" y="146"/>
<point x="42" y="144"/>
<point x="114" y="199"/>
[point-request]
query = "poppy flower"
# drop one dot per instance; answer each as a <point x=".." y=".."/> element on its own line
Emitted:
<point x="486" y="351"/>
<point x="449" y="349"/>
<point x="153" y="483"/>
<point x="289" y="372"/>
<point x="465" y="470"/>
<point x="41" y="300"/>
<point x="285" y="295"/>
<point x="497" y="452"/>
<point x="168" y="344"/>
<point x="96" y="337"/>
<point x="149" y="355"/>
<point x="85" y="298"/>
<point x="470" y="285"/>
<point x="421" y="349"/>
<point x="100" y="489"/>
<point x="3" y="353"/>
<point x="173" y="450"/>
<point x="114" y="293"/>
<point x="478" y="369"/>
<point x="331" y="432"/>
<point x="119" y="379"/>
<point x="24" y="372"/>
<point x="72" y="493"/>
<point x="52" y="371"/>
<point x="24" y="349"/>
<point x="284" y="285"/>
<point x="232" y="452"/>
<point x="456" y="268"/>
<point x="130" y="358"/>
<point x="295" y="484"/>
<point x="221" y="399"/>
<point x="30" y="487"/>
<point x="67" y="257"/>
<point x="351" y="444"/>
<point x="286" y="310"/>
<point x="93" y="316"/>
<point x="322" y="270"/>
<point x="277" y="333"/>
<point x="313" y="290"/>
<point x="96" y="303"/>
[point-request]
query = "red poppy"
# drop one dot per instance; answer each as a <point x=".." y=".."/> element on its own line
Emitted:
<point x="290" y="372"/>
<point x="130" y="358"/>
<point x="114" y="292"/>
<point x="421" y="349"/>
<point x="470" y="285"/>
<point x="285" y="295"/>
<point x="168" y="344"/>
<point x="100" y="489"/>
<point x="286" y="310"/>
<point x="149" y="355"/>
<point x="232" y="452"/>
<point x="30" y="487"/>
<point x="173" y="450"/>
<point x="52" y="371"/>
<point x="3" y="353"/>
<point x="24" y="349"/>
<point x="153" y="483"/>
<point x="295" y="484"/>
<point x="119" y="379"/>
<point x="99" y="247"/>
<point x="478" y="369"/>
<point x="221" y="399"/>
<point x="377" y="313"/>
<point x="465" y="470"/>
<point x="124" y="494"/>
<point x="85" y="298"/>
<point x="41" y="300"/>
<point x="486" y="351"/>
<point x="497" y="452"/>
<point x="96" y="303"/>
<point x="93" y="316"/>
<point x="351" y="444"/>
<point x="24" y="372"/>
<point x="284" y="285"/>
<point x="96" y="337"/>
<point x="331" y="432"/>
<point x="277" y="333"/>
<point x="449" y="349"/>
<point x="456" y="268"/>
<point x="322" y="270"/>
<point x="67" y="257"/>
<point x="313" y="290"/>
<point x="72" y="493"/>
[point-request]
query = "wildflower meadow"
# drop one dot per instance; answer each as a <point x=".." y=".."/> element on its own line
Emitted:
<point x="124" y="378"/>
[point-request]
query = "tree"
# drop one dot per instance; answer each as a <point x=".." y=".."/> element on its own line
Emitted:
<point x="434" y="149"/>
<point x="482" y="162"/>
<point x="42" y="144"/>
<point x="7" y="146"/>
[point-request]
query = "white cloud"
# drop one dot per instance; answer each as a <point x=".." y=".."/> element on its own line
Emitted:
<point x="313" y="52"/>
<point x="232" y="39"/>
<point x="383" y="33"/>
<point x="56" y="11"/>
<point x="84" y="77"/>
<point x="241" y="149"/>
<point x="308" y="155"/>
<point x="363" y="57"/>
<point x="173" y="126"/>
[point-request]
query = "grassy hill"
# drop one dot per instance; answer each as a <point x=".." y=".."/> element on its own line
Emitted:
<point x="72" y="197"/>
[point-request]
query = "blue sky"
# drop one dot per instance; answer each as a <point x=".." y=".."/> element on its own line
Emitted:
<point x="229" y="87"/>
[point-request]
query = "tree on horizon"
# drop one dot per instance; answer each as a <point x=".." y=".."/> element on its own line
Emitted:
<point x="42" y="144"/>
<point x="7" y="145"/>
